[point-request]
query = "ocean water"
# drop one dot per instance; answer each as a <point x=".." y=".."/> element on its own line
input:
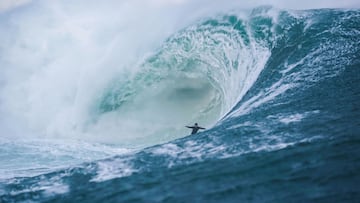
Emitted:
<point x="94" y="101"/>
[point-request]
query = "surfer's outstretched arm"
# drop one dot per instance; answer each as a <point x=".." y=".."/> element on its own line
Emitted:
<point x="189" y="126"/>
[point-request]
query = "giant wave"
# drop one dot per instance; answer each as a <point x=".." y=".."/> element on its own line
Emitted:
<point x="277" y="88"/>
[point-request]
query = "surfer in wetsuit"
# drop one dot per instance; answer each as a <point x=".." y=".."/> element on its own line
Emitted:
<point x="195" y="128"/>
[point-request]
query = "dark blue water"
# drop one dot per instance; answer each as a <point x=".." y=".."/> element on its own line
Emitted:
<point x="293" y="135"/>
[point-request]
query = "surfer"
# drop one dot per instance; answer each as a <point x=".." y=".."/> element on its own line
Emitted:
<point x="195" y="128"/>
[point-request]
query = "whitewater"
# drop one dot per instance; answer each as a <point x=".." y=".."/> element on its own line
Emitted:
<point x="95" y="97"/>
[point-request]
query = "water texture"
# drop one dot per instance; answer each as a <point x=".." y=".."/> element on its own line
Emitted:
<point x="90" y="116"/>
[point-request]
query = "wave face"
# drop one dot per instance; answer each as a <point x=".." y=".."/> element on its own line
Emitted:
<point x="197" y="75"/>
<point x="277" y="90"/>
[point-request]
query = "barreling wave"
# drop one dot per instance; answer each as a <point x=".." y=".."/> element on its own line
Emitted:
<point x="279" y="90"/>
<point x="197" y="75"/>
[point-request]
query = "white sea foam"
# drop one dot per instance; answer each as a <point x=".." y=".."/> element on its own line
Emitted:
<point x="114" y="168"/>
<point x="47" y="187"/>
<point x="287" y="119"/>
<point x="29" y="158"/>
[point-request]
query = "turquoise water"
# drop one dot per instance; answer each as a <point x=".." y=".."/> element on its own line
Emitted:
<point x="277" y="90"/>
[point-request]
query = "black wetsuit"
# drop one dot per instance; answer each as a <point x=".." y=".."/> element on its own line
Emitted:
<point x="195" y="129"/>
